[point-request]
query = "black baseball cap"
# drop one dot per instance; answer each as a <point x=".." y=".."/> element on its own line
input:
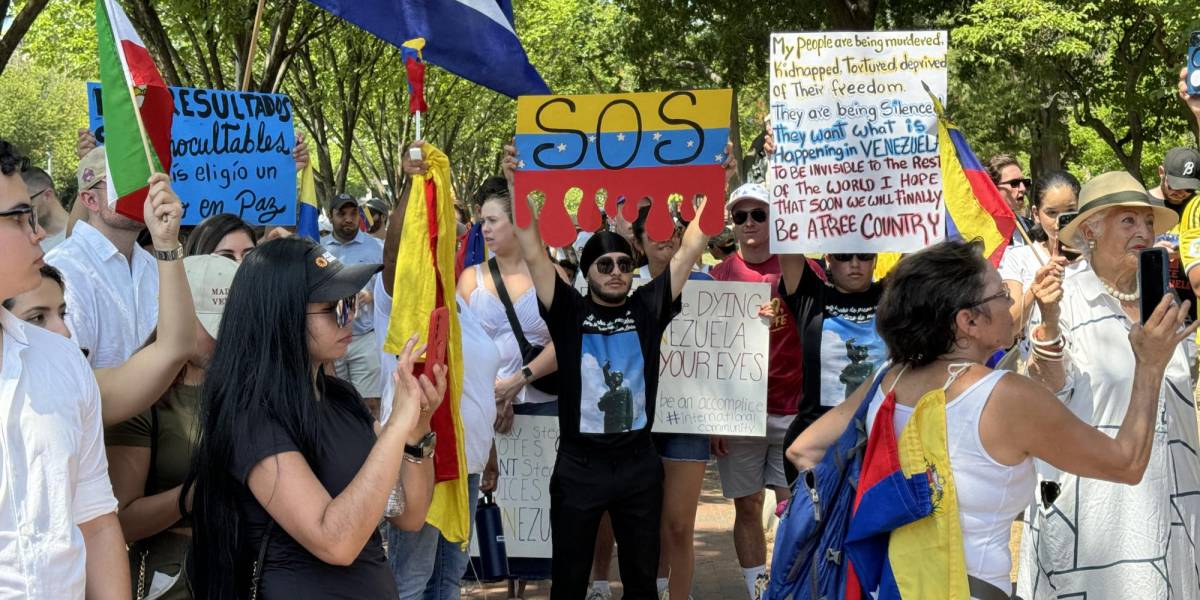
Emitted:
<point x="1182" y="168"/>
<point x="330" y="280"/>
<point x="341" y="200"/>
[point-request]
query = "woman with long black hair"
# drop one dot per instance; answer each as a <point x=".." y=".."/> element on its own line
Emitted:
<point x="291" y="478"/>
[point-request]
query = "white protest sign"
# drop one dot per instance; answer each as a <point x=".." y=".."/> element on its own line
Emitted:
<point x="713" y="362"/>
<point x="526" y="459"/>
<point x="856" y="167"/>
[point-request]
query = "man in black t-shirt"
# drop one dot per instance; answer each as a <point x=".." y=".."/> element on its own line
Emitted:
<point x="607" y="344"/>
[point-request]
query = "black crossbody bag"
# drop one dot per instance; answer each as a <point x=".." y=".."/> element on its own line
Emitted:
<point x="547" y="384"/>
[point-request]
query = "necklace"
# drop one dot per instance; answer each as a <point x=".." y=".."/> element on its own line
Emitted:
<point x="1118" y="294"/>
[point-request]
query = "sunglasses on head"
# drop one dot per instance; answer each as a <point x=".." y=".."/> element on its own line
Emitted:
<point x="343" y="310"/>
<point x="605" y="265"/>
<point x="759" y="215"/>
<point x="849" y="257"/>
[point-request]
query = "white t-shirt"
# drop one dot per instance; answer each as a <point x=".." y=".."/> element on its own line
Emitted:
<point x="112" y="303"/>
<point x="55" y="474"/>
<point x="1020" y="263"/>
<point x="481" y="363"/>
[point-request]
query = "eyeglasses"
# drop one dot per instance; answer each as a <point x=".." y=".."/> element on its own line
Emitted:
<point x="849" y="257"/>
<point x="1018" y="183"/>
<point x="343" y="310"/>
<point x="1004" y="293"/>
<point x="759" y="215"/>
<point x="23" y="210"/>
<point x="605" y="265"/>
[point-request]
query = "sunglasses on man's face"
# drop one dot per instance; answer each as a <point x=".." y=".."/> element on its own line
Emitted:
<point x="1018" y="183"/>
<point x="343" y="310"/>
<point x="849" y="257"/>
<point x="605" y="265"/>
<point x="759" y="215"/>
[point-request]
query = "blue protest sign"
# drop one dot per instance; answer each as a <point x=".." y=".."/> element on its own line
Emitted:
<point x="231" y="152"/>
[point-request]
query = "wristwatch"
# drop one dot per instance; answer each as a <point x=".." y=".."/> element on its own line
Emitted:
<point x="527" y="373"/>
<point x="423" y="449"/>
<point x="169" y="255"/>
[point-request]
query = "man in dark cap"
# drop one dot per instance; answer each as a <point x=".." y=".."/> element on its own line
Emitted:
<point x="607" y="344"/>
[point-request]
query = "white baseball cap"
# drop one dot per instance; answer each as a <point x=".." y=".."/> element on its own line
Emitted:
<point x="209" y="277"/>
<point x="747" y="191"/>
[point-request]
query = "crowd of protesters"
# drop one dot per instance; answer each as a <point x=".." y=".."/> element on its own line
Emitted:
<point x="210" y="412"/>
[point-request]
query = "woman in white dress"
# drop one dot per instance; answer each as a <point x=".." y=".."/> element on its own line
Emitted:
<point x="1091" y="538"/>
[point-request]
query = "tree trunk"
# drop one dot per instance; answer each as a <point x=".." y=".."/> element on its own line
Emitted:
<point x="20" y="26"/>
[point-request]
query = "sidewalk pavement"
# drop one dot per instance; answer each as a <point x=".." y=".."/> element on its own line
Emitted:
<point x="718" y="576"/>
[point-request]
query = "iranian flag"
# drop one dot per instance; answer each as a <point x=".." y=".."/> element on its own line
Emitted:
<point x="137" y="110"/>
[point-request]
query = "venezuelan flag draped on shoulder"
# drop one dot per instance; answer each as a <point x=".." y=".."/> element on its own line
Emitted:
<point x="974" y="207"/>
<point x="878" y="516"/>
<point x="473" y="39"/>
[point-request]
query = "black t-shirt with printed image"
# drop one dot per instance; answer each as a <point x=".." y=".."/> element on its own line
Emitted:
<point x="606" y="404"/>
<point x="841" y="346"/>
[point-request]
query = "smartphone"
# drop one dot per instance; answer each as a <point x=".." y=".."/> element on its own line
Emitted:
<point x="1193" y="64"/>
<point x="1153" y="266"/>
<point x="435" y="348"/>
<point x="1065" y="219"/>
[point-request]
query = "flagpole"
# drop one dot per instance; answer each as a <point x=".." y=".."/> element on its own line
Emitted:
<point x="146" y="147"/>
<point x="253" y="46"/>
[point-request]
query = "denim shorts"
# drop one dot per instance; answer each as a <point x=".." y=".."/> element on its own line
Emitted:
<point x="682" y="446"/>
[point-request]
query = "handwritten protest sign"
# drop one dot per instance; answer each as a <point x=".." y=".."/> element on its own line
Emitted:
<point x="633" y="145"/>
<point x="231" y="152"/>
<point x="713" y="362"/>
<point x="526" y="459"/>
<point x="856" y="165"/>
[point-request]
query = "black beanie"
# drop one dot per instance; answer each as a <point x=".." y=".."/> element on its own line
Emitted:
<point x="601" y="243"/>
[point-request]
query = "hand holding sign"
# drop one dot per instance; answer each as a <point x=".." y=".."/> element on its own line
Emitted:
<point x="633" y="145"/>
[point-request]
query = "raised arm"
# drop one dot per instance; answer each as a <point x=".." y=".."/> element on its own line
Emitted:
<point x="395" y="225"/>
<point x="1031" y="418"/>
<point x="335" y="529"/>
<point x="792" y="269"/>
<point x="694" y="243"/>
<point x="131" y="388"/>
<point x="541" y="268"/>
<point x="1192" y="103"/>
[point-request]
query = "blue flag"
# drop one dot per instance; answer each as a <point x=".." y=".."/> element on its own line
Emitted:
<point x="473" y="39"/>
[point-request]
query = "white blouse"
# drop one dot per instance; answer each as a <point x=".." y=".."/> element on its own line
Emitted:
<point x="1109" y="540"/>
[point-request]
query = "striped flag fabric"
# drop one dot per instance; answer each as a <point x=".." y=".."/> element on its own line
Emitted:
<point x="137" y="109"/>
<point x="425" y="270"/>
<point x="904" y="540"/>
<point x="473" y="39"/>
<point x="974" y="207"/>
<point x="306" y="221"/>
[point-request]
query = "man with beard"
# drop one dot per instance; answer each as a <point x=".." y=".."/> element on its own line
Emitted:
<point x="111" y="282"/>
<point x="605" y="332"/>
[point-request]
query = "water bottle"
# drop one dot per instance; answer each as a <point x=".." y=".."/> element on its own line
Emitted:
<point x="489" y="524"/>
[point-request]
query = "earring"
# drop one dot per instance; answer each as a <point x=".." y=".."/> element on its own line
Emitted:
<point x="1091" y="244"/>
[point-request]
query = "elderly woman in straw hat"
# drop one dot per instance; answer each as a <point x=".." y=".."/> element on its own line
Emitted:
<point x="1086" y="537"/>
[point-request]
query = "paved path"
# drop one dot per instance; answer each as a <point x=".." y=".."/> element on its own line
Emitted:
<point x="718" y="576"/>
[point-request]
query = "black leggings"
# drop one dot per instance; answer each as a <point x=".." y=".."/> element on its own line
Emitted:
<point x="582" y="489"/>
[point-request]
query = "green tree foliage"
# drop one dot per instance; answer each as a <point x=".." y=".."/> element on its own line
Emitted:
<point x="1037" y="73"/>
<point x="40" y="115"/>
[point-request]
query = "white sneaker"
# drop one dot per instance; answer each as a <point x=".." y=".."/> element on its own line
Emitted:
<point x="760" y="585"/>
<point x="595" y="594"/>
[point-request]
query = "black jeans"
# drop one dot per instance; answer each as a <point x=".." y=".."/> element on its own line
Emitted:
<point x="630" y="490"/>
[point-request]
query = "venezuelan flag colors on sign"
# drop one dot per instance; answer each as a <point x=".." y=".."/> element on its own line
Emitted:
<point x="633" y="145"/>
<point x="974" y="207"/>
